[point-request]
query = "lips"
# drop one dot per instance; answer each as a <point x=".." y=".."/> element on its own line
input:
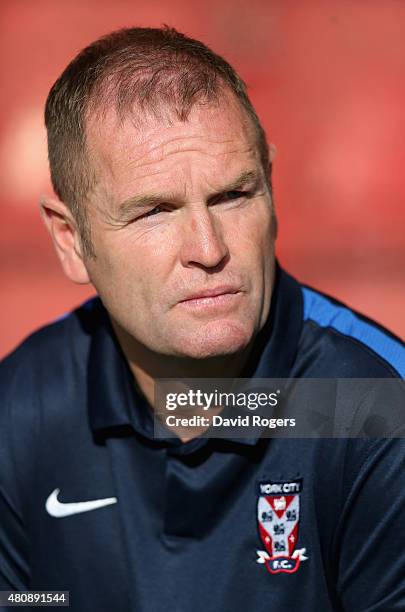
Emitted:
<point x="207" y="293"/>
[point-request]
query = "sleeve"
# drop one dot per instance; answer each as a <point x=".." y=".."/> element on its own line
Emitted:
<point x="371" y="532"/>
<point x="14" y="566"/>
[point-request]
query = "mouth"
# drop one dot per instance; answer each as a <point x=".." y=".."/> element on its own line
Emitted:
<point x="220" y="298"/>
<point x="211" y="293"/>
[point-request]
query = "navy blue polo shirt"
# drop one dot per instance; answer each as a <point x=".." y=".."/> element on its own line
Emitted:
<point x="209" y="525"/>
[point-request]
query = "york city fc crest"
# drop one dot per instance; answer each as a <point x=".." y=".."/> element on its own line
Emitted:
<point x="278" y="516"/>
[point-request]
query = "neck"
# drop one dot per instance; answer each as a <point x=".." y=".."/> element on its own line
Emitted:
<point x="147" y="366"/>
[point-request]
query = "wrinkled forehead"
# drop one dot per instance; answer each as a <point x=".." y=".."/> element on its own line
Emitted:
<point x="222" y="126"/>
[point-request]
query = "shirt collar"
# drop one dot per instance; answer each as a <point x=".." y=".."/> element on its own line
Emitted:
<point x="114" y="401"/>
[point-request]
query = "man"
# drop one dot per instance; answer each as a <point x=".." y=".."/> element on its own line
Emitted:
<point x="163" y="178"/>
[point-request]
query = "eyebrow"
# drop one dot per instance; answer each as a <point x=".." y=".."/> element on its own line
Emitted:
<point x="144" y="201"/>
<point x="243" y="180"/>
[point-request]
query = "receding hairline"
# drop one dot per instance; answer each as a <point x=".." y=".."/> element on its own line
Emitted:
<point x="103" y="111"/>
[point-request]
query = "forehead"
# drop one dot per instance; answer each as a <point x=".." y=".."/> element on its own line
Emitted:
<point x="219" y="137"/>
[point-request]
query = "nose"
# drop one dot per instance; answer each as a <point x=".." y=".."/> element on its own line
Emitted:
<point x="203" y="243"/>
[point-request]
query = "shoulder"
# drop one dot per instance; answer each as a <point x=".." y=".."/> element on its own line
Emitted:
<point x="48" y="355"/>
<point x="40" y="384"/>
<point x="344" y="343"/>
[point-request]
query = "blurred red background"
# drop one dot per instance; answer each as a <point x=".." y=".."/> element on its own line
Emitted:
<point x="327" y="78"/>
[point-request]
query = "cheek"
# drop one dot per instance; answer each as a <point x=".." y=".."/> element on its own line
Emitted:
<point x="250" y="232"/>
<point x="126" y="261"/>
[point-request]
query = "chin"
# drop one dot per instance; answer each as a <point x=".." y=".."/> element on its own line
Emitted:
<point x="218" y="340"/>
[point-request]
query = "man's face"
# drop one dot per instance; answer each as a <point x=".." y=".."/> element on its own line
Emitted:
<point x="183" y="231"/>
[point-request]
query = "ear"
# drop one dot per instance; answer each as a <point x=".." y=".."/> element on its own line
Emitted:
<point x="275" y="225"/>
<point x="272" y="155"/>
<point x="268" y="170"/>
<point x="65" y="237"/>
<point x="272" y="152"/>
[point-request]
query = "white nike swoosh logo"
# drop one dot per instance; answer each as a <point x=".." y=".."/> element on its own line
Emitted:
<point x="58" y="509"/>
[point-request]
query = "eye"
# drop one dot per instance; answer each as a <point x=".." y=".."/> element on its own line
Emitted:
<point x="230" y="196"/>
<point x="154" y="211"/>
<point x="234" y="195"/>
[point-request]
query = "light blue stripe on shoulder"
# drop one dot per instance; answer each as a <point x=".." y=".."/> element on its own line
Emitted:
<point x="325" y="313"/>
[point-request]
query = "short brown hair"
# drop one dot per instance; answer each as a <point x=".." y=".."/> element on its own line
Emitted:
<point x="153" y="68"/>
